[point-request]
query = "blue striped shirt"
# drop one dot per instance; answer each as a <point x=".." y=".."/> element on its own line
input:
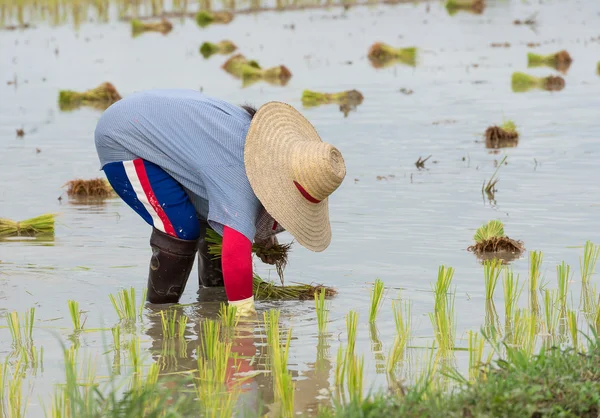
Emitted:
<point x="198" y="140"/>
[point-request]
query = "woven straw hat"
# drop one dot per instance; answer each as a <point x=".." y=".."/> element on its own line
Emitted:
<point x="292" y="172"/>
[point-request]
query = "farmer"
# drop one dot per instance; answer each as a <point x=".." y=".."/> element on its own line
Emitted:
<point x="185" y="162"/>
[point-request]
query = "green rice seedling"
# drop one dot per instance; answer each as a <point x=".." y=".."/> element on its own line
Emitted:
<point x="573" y="330"/>
<point x="75" y="315"/>
<point x="351" y="326"/>
<point x="563" y="276"/>
<point x="535" y="264"/>
<point x="40" y="225"/>
<point x="522" y="82"/>
<point x="560" y="60"/>
<point x="443" y="318"/>
<point x="207" y="49"/>
<point x="551" y="311"/>
<point x="340" y="368"/>
<point x="492" y="229"/>
<point x="491" y="272"/>
<point x="228" y="315"/>
<point x="376" y="299"/>
<point x="377" y="348"/>
<point x="476" y="345"/>
<point x="402" y="319"/>
<point x="383" y="55"/>
<point x="322" y="308"/>
<point x="322" y="361"/>
<point x="512" y="292"/>
<point x="355" y="378"/>
<point x="21" y="331"/>
<point x="587" y="265"/>
<point x="125" y="306"/>
<point x="211" y="338"/>
<point x="12" y="402"/>
<point x="171" y="325"/>
<point x="524" y="331"/>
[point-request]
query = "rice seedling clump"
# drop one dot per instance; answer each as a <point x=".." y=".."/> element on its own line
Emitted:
<point x="475" y="6"/>
<point x="313" y="98"/>
<point x="523" y="82"/>
<point x="382" y="55"/>
<point x="205" y="18"/>
<point x="224" y="47"/>
<point x="139" y="27"/>
<point x="502" y="136"/>
<point x="40" y="225"/>
<point x="490" y="238"/>
<point x="102" y="96"/>
<point x="560" y="60"/>
<point x="250" y="71"/>
<point x="97" y="187"/>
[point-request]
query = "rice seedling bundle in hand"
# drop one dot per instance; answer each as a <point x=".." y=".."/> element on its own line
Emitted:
<point x="490" y="238"/>
<point x="102" y="96"/>
<point x="523" y="82"/>
<point x="560" y="60"/>
<point x="97" y="187"/>
<point x="139" y="27"/>
<point x="40" y="225"/>
<point x="383" y="55"/>
<point x="502" y="136"/>
<point x="205" y="17"/>
<point x="224" y="47"/>
<point x="475" y="6"/>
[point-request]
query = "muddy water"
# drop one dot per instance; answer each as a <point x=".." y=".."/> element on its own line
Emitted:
<point x="399" y="228"/>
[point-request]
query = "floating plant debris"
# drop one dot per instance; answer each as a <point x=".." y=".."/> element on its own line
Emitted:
<point x="490" y="238"/>
<point x="348" y="100"/>
<point x="382" y="55"/>
<point x="474" y="6"/>
<point x="139" y="27"/>
<point x="503" y="136"/>
<point x="523" y="82"/>
<point x="102" y="96"/>
<point x="560" y="60"/>
<point x="500" y="45"/>
<point x="43" y="224"/>
<point x="224" y="47"/>
<point x="278" y="252"/>
<point x="20" y="133"/>
<point x="420" y="163"/>
<point x="598" y="68"/>
<point x="250" y="70"/>
<point x="97" y="187"/>
<point x="205" y="18"/>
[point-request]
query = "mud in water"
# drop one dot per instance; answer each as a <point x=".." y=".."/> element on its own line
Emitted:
<point x="390" y="218"/>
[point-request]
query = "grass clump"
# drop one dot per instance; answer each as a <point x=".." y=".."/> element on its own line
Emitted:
<point x="474" y="6"/>
<point x="383" y="55"/>
<point x="560" y="61"/>
<point x="490" y="238"/>
<point x="205" y="17"/>
<point x="101" y="97"/>
<point x="40" y="225"/>
<point x="97" y="187"/>
<point x="207" y="49"/>
<point x="502" y="136"/>
<point x="522" y="82"/>
<point x="138" y="27"/>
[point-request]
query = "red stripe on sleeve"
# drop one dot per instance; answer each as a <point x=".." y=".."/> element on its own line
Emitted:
<point x="140" y="169"/>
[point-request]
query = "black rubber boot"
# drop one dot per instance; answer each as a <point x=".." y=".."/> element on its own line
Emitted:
<point x="170" y="266"/>
<point x="210" y="273"/>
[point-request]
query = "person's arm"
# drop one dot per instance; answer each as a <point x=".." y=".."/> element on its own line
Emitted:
<point x="236" y="262"/>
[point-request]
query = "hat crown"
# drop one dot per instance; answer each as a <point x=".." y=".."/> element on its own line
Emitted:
<point x="318" y="167"/>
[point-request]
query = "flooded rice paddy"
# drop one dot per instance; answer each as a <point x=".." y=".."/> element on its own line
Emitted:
<point x="391" y="219"/>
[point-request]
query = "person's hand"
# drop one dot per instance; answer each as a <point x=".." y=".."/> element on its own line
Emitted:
<point x="267" y="244"/>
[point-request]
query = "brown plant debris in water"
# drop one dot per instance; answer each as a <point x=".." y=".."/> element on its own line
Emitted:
<point x="555" y="83"/>
<point x="497" y="244"/>
<point x="20" y="133"/>
<point x="163" y="26"/>
<point x="420" y="163"/>
<point x="496" y="137"/>
<point x="500" y="45"/>
<point x="97" y="187"/>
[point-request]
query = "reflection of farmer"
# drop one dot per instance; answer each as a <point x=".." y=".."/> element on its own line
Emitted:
<point x="183" y="161"/>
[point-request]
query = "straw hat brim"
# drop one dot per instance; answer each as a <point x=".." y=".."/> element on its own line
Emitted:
<point x="276" y="133"/>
